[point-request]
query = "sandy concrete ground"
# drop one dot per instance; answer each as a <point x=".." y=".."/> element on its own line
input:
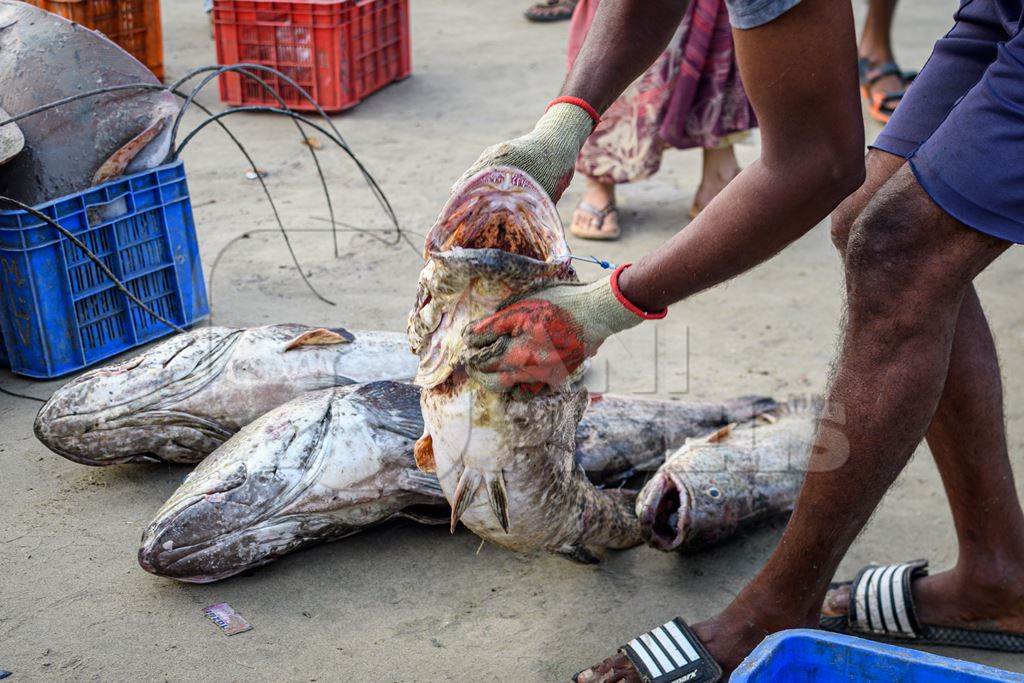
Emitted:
<point x="404" y="603"/>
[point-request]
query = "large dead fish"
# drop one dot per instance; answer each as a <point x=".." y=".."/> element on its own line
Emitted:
<point x="729" y="481"/>
<point x="333" y="462"/>
<point x="44" y="58"/>
<point x="505" y="461"/>
<point x="182" y="398"/>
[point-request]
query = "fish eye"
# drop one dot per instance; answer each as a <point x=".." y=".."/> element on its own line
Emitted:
<point x="714" y="492"/>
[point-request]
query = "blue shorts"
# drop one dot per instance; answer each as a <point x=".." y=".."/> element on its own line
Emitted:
<point x="961" y="123"/>
<point x="753" y="13"/>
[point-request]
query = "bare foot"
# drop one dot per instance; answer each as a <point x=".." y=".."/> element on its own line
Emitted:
<point x="720" y="167"/>
<point x="596" y="218"/>
<point x="984" y="600"/>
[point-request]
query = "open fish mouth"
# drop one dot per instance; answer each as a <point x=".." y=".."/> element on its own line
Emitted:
<point x="500" y="208"/>
<point x="664" y="513"/>
<point x="497" y="235"/>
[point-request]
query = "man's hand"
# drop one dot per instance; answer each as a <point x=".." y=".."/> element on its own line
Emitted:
<point x="541" y="339"/>
<point x="548" y="152"/>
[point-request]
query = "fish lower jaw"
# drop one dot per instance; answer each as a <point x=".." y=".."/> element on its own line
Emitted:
<point x="664" y="513"/>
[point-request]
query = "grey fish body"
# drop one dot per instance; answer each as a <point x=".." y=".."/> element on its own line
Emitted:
<point x="184" y="397"/>
<point x="333" y="462"/>
<point x="505" y="461"/>
<point x="730" y="481"/>
<point x="634" y="434"/>
<point x="324" y="466"/>
<point x="44" y="58"/>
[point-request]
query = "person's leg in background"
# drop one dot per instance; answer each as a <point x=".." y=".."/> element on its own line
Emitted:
<point x="883" y="83"/>
<point x="718" y="167"/>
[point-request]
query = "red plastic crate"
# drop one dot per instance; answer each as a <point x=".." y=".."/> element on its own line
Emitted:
<point x="340" y="51"/>
<point x="132" y="24"/>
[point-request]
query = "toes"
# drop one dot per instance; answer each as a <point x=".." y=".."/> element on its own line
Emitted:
<point x="615" y="669"/>
<point x="837" y="602"/>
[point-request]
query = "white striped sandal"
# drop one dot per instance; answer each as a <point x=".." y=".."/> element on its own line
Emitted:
<point x="882" y="608"/>
<point x="670" y="653"/>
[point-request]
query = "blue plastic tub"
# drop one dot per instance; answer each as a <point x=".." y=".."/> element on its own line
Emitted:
<point x="59" y="312"/>
<point x="806" y="656"/>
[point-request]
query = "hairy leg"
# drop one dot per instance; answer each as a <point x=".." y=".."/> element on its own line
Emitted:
<point x="909" y="266"/>
<point x="967" y="438"/>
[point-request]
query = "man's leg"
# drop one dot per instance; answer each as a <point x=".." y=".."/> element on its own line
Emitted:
<point x="967" y="438"/>
<point x="909" y="266"/>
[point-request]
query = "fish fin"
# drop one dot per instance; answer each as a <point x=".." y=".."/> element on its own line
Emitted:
<point x="746" y="408"/>
<point x="424" y="516"/>
<point x="720" y="435"/>
<point x="498" y="496"/>
<point x="321" y="336"/>
<point x="117" y="162"/>
<point x="579" y="553"/>
<point x="394" y="406"/>
<point x="465" y="492"/>
<point x="424" y="454"/>
<point x="421" y="482"/>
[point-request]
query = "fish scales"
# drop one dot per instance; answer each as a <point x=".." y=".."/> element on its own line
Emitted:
<point x="505" y="461"/>
<point x="181" y="399"/>
<point x="299" y="475"/>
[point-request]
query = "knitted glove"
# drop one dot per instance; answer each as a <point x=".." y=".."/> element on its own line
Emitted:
<point x="542" y="338"/>
<point x="548" y="152"/>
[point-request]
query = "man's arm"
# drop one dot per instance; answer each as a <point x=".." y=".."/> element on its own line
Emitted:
<point x="800" y="74"/>
<point x="625" y="37"/>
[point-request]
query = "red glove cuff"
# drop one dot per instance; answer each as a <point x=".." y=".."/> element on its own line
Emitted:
<point x="630" y="306"/>
<point x="582" y="104"/>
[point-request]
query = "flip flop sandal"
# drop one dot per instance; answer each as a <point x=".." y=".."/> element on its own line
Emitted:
<point x="882" y="608"/>
<point x="671" y="652"/>
<point x="596" y="232"/>
<point x="881" y="105"/>
<point x="551" y="10"/>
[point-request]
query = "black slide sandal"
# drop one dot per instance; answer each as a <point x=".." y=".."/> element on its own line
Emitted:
<point x="672" y="652"/>
<point x="882" y="608"/>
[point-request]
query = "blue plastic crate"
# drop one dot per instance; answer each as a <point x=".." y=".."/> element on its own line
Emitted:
<point x="59" y="312"/>
<point x="807" y="656"/>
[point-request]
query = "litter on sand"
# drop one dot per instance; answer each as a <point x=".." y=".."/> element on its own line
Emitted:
<point x="227" y="619"/>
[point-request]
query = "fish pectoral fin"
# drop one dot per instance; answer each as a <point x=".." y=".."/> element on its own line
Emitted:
<point x="465" y="492"/>
<point x="320" y="337"/>
<point x="421" y="482"/>
<point x="424" y="453"/>
<point x="116" y="164"/>
<point x="498" y="495"/>
<point x="579" y="553"/>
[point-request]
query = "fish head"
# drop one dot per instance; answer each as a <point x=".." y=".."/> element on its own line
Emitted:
<point x="227" y="515"/>
<point x="497" y="236"/>
<point x="105" y="410"/>
<point x="664" y="508"/>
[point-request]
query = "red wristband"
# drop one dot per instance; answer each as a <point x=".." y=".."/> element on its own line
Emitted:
<point x="582" y="104"/>
<point x="630" y="306"/>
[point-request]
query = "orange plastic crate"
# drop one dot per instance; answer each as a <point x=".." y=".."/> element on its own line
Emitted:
<point x="132" y="24"/>
<point x="339" y="51"/>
